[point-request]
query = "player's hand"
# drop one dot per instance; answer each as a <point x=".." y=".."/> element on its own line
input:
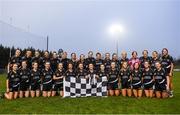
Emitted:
<point x="7" y="90"/>
<point x="170" y="74"/>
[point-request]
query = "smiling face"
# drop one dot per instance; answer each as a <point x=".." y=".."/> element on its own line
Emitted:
<point x="146" y="64"/>
<point x="136" y="66"/>
<point x="164" y="52"/>
<point x="35" y="65"/>
<point x="113" y="65"/>
<point x="24" y="64"/>
<point x="91" y="66"/>
<point x="60" y="66"/>
<point x="47" y="65"/>
<point x="158" y="65"/>
<point x="18" y="53"/>
<point x="81" y="66"/>
<point x="102" y="67"/>
<point x="15" y="67"/>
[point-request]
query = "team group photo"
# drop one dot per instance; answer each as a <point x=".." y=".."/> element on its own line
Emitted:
<point x="89" y="57"/>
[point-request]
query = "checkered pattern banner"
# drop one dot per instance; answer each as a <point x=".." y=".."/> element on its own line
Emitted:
<point x="79" y="87"/>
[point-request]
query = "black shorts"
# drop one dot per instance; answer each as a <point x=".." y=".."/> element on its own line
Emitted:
<point x="57" y="87"/>
<point x="160" y="87"/>
<point x="24" y="86"/>
<point x="125" y="85"/>
<point x="47" y="87"/>
<point x="14" y="89"/>
<point x="113" y="86"/>
<point x="35" y="87"/>
<point x="139" y="86"/>
<point x="148" y="86"/>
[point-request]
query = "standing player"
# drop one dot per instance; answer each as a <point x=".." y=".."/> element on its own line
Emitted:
<point x="90" y="60"/>
<point x="28" y="58"/>
<point x="144" y="58"/>
<point x="65" y="61"/>
<point x="115" y="59"/>
<point x="134" y="59"/>
<point x="123" y="58"/>
<point x="45" y="58"/>
<point x="54" y="61"/>
<point x="15" y="59"/>
<point x="107" y="61"/>
<point x="74" y="60"/>
<point x="25" y="80"/>
<point x="125" y="80"/>
<point x="99" y="61"/>
<point x="113" y="80"/>
<point x="155" y="58"/>
<point x="148" y="80"/>
<point x="81" y="72"/>
<point x="58" y="80"/>
<point x="37" y="58"/>
<point x="35" y="80"/>
<point x="47" y="76"/>
<point x="12" y="83"/>
<point x="167" y="64"/>
<point x="161" y="81"/>
<point x="82" y="60"/>
<point x="137" y="80"/>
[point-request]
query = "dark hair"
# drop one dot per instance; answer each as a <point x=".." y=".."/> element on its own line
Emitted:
<point x="145" y="51"/>
<point x="98" y="53"/>
<point x="134" y="52"/>
<point x="165" y="49"/>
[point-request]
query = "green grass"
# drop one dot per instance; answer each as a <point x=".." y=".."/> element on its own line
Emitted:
<point x="93" y="105"/>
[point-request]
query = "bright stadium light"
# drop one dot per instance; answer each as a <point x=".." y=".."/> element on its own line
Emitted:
<point x="115" y="31"/>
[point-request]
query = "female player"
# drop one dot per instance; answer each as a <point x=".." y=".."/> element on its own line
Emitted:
<point x="47" y="76"/>
<point x="113" y="80"/>
<point x="102" y="72"/>
<point x="70" y="72"/>
<point x="58" y="80"/>
<point x="81" y="72"/>
<point x="25" y="80"/>
<point x="167" y="64"/>
<point x="12" y="83"/>
<point x="125" y="80"/>
<point x="82" y="60"/>
<point x="137" y="80"/>
<point x="148" y="80"/>
<point x="134" y="59"/>
<point x="161" y="81"/>
<point x="155" y="58"/>
<point x="35" y="80"/>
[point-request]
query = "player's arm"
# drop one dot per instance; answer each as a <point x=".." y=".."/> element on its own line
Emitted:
<point x="167" y="78"/>
<point x="172" y="67"/>
<point x="7" y="85"/>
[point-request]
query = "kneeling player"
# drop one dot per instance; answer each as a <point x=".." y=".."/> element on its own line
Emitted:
<point x="35" y="80"/>
<point x="137" y="80"/>
<point x="125" y="79"/>
<point x="113" y="80"/>
<point x="148" y="80"/>
<point x="12" y="83"/>
<point x="161" y="81"/>
<point x="25" y="78"/>
<point x="47" y="76"/>
<point x="58" y="80"/>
